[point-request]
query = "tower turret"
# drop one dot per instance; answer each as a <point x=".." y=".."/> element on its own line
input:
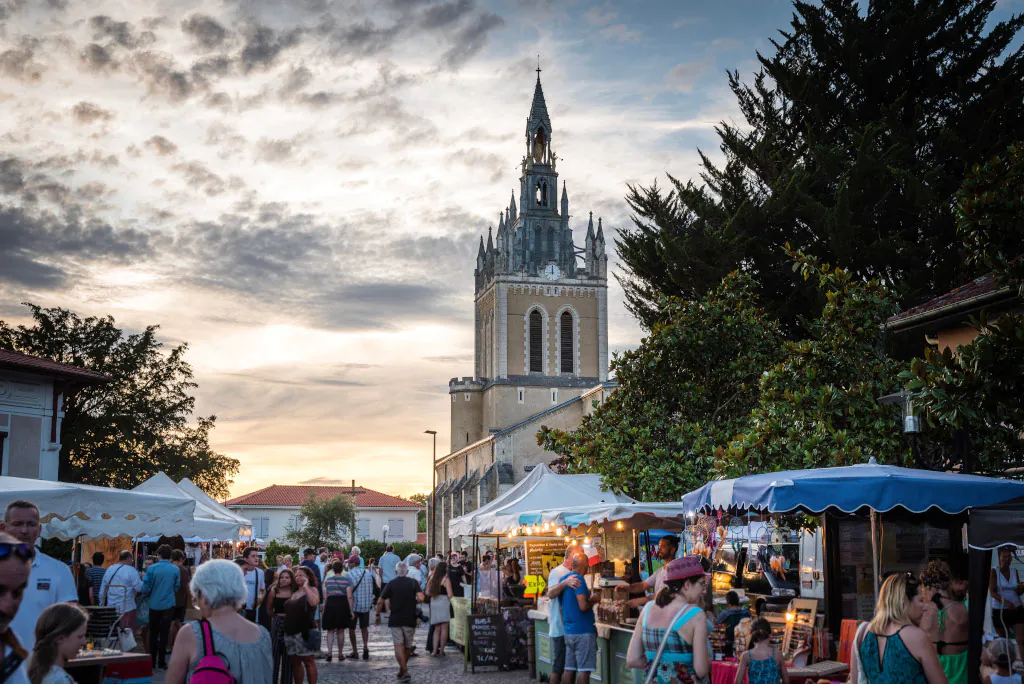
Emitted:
<point x="512" y="208"/>
<point x="565" y="202"/>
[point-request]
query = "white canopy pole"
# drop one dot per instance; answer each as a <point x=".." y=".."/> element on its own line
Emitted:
<point x="874" y="550"/>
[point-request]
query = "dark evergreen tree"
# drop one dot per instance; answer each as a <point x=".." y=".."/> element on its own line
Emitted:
<point x="857" y="135"/>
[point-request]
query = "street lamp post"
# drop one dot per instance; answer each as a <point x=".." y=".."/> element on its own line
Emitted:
<point x="433" y="488"/>
<point x="387" y="528"/>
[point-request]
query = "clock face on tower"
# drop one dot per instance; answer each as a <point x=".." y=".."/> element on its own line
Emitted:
<point x="552" y="272"/>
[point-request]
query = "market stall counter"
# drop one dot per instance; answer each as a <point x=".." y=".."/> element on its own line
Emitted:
<point x="99" y="665"/>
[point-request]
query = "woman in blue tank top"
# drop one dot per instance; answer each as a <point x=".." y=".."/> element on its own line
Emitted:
<point x="675" y="618"/>
<point x="894" y="650"/>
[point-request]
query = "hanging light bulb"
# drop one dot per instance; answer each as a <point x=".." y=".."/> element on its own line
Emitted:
<point x="574" y="542"/>
<point x="559" y="531"/>
<point x="619" y="525"/>
<point x="586" y="541"/>
<point x="567" y="540"/>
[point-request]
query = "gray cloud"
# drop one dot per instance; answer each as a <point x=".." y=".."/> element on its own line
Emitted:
<point x="19" y="63"/>
<point x="121" y="32"/>
<point x="263" y="45"/>
<point x="470" y="40"/>
<point x="164" y="78"/>
<point x="204" y="30"/>
<point x="96" y="58"/>
<point x="36" y="245"/>
<point x="275" y="151"/>
<point x="161" y="145"/>
<point x="492" y="163"/>
<point x="198" y="176"/>
<point x="446" y="14"/>
<point x="88" y="113"/>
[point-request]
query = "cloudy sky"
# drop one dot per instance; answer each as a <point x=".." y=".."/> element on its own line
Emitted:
<point x="296" y="187"/>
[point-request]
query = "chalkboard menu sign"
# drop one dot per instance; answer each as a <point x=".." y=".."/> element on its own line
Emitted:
<point x="488" y="645"/>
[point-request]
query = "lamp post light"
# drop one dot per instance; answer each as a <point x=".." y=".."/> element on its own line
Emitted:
<point x="387" y="528"/>
<point x="432" y="546"/>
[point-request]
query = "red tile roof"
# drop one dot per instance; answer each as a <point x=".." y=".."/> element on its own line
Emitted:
<point x="13" y="360"/>
<point x="957" y="299"/>
<point x="297" y="495"/>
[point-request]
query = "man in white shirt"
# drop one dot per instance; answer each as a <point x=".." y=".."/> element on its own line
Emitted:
<point x="119" y="588"/>
<point x="558" y="580"/>
<point x="15" y="566"/>
<point x="255" y="583"/>
<point x="49" y="582"/>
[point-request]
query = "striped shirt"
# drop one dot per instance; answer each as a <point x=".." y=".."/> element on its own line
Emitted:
<point x="336" y="585"/>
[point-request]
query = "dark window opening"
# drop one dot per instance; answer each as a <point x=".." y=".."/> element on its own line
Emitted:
<point x="567" y="345"/>
<point x="536" y="343"/>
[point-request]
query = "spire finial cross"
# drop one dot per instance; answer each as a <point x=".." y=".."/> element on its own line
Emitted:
<point x="538" y="68"/>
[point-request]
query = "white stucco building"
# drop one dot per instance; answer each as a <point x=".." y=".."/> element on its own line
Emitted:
<point x="275" y="508"/>
<point x="32" y="395"/>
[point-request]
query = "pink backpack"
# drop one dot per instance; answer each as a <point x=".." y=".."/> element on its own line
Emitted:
<point x="211" y="668"/>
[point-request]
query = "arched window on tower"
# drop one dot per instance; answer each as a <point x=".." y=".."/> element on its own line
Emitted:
<point x="567" y="348"/>
<point x="536" y="343"/>
<point x="550" y="254"/>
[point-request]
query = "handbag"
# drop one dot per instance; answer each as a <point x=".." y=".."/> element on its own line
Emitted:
<point x="313" y="640"/>
<point x="855" y="653"/>
<point x="127" y="639"/>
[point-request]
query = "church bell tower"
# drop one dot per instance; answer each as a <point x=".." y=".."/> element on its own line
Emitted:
<point x="541" y="302"/>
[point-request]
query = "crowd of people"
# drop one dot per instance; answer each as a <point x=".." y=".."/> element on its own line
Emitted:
<point x="266" y="624"/>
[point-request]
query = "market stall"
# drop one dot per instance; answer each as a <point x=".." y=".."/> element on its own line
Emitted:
<point x="867" y="519"/>
<point x="989" y="528"/>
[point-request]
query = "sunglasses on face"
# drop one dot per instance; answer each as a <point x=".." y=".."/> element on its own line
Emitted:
<point x="23" y="551"/>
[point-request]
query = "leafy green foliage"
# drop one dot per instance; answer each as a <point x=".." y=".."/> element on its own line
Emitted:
<point x="325" y="522"/>
<point x="818" y="405"/>
<point x="275" y="549"/>
<point x="126" y="431"/>
<point x="685" y="390"/>
<point x="374" y="548"/>
<point x="857" y="133"/>
<point x="421" y="517"/>
<point x="976" y="388"/>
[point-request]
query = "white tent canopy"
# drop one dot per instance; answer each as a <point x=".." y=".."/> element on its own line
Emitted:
<point x="540" y="490"/>
<point x="666" y="515"/>
<point x="223" y="512"/>
<point x="212" y="521"/>
<point x="70" y="510"/>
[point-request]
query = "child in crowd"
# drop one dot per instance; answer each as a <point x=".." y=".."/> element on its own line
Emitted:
<point x="762" y="663"/>
<point x="60" y="635"/>
<point x="998" y="658"/>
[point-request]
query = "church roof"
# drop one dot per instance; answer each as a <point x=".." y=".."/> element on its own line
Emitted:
<point x="539" y="109"/>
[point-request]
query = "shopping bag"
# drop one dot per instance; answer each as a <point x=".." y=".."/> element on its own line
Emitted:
<point x="127" y="639"/>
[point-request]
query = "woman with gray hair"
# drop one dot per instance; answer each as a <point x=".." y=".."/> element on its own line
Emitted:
<point x="219" y="590"/>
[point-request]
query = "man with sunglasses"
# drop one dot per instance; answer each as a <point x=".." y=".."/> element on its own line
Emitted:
<point x="15" y="566"/>
<point x="50" y="580"/>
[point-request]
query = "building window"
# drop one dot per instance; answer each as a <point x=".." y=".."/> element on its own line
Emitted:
<point x="567" y="347"/>
<point x="396" y="528"/>
<point x="536" y="343"/>
<point x="522" y="395"/>
<point x="363" y="528"/>
<point x="261" y="528"/>
<point x="554" y="396"/>
<point x="467" y="397"/>
<point x="294" y="522"/>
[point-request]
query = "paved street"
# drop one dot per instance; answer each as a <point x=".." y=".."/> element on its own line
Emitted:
<point x="381" y="667"/>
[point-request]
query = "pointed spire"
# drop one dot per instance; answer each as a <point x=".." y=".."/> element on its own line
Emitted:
<point x="490" y="242"/>
<point x="512" y="208"/>
<point x="538" y="109"/>
<point x="565" y="202"/>
<point x="480" y="252"/>
<point x="501" y="223"/>
<point x="600" y="230"/>
<point x="590" y="227"/>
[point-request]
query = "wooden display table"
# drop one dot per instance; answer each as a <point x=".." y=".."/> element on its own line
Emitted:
<point x="91" y="669"/>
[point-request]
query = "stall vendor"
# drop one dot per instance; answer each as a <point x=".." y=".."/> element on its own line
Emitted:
<point x="667" y="549"/>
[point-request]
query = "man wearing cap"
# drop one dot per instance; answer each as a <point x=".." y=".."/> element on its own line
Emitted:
<point x="667" y="548"/>
<point x="558" y="580"/>
<point x="580" y="630"/>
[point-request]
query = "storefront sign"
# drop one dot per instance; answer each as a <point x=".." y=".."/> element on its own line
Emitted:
<point x="535" y="586"/>
<point x="543" y="555"/>
<point x="488" y="645"/>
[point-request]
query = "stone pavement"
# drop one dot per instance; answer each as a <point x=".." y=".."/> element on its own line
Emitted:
<point x="381" y="667"/>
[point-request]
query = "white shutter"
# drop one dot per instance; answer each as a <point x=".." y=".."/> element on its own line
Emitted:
<point x="396" y="528"/>
<point x="363" y="528"/>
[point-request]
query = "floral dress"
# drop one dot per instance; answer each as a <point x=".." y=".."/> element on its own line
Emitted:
<point x="764" y="671"/>
<point x="676" y="663"/>
<point x="897" y="666"/>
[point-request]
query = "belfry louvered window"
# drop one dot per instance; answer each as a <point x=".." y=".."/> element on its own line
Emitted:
<point x="567" y="346"/>
<point x="536" y="343"/>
